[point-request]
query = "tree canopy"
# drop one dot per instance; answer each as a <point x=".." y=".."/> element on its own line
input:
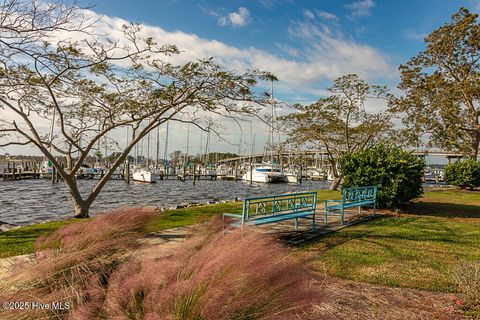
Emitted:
<point x="340" y="123"/>
<point x="442" y="87"/>
<point x="55" y="69"/>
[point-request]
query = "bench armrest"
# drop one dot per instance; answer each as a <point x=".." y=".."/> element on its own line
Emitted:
<point x="335" y="201"/>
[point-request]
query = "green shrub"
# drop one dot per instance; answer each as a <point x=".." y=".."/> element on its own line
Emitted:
<point x="464" y="174"/>
<point x="397" y="174"/>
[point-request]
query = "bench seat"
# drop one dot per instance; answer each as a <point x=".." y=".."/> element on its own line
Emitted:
<point x="277" y="218"/>
<point x="351" y="204"/>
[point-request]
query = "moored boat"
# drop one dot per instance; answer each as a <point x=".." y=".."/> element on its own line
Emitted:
<point x="144" y="176"/>
<point x="265" y="173"/>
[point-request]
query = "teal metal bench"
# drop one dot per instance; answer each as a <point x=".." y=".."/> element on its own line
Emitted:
<point x="270" y="209"/>
<point x="352" y="197"/>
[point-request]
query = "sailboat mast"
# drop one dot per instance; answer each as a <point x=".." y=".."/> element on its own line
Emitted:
<point x="51" y="130"/>
<point x="165" y="152"/>
<point x="106" y="148"/>
<point x="251" y="142"/>
<point x="271" y="127"/>
<point x="185" y="159"/>
<point x="148" y="149"/>
<point x="207" y="145"/>
<point x="158" y="147"/>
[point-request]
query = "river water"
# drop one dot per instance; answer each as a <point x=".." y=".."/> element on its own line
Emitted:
<point x="29" y="201"/>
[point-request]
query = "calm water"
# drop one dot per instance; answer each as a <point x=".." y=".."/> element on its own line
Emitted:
<point x="29" y="201"/>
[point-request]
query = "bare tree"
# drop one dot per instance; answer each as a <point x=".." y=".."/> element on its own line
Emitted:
<point x="88" y="88"/>
<point x="339" y="123"/>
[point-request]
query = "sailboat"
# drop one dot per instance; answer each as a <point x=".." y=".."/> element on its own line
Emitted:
<point x="144" y="174"/>
<point x="268" y="172"/>
<point x="291" y="177"/>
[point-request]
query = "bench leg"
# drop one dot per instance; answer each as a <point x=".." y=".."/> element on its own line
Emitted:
<point x="296" y="223"/>
<point x="314" y="228"/>
<point x="223" y="225"/>
<point x="325" y="212"/>
<point x="343" y="213"/>
<point x="359" y="209"/>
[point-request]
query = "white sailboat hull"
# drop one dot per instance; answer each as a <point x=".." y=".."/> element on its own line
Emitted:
<point x="291" y="178"/>
<point x="265" y="177"/>
<point x="144" y="176"/>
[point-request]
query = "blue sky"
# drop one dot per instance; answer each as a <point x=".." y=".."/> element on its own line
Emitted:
<point x="391" y="30"/>
<point x="306" y="44"/>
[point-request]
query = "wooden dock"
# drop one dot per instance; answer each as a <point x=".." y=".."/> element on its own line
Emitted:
<point x="190" y="176"/>
<point x="16" y="174"/>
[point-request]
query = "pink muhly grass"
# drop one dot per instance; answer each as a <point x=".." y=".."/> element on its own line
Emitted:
<point x="213" y="276"/>
<point x="467" y="278"/>
<point x="75" y="262"/>
<point x="209" y="276"/>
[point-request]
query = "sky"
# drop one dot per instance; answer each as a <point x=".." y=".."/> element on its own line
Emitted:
<point x="306" y="44"/>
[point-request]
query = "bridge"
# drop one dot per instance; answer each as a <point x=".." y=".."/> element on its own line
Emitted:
<point x="319" y="155"/>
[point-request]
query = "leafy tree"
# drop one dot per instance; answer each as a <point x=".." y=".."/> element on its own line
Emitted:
<point x="339" y="123"/>
<point x="464" y="174"/>
<point x="397" y="174"/>
<point x="176" y="158"/>
<point x="442" y="87"/>
<point x="90" y="87"/>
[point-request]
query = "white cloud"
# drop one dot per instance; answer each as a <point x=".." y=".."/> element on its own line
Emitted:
<point x="289" y="50"/>
<point x="308" y="14"/>
<point x="329" y="55"/>
<point x="269" y="4"/>
<point x="319" y="56"/>
<point x="412" y="34"/>
<point x="236" y="19"/>
<point x="326" y="15"/>
<point x="360" y="9"/>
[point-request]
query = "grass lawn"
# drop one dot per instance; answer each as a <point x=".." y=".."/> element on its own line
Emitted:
<point x="198" y="214"/>
<point x="21" y="240"/>
<point x="417" y="250"/>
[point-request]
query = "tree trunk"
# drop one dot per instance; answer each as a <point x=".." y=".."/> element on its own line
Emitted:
<point x="336" y="182"/>
<point x="81" y="208"/>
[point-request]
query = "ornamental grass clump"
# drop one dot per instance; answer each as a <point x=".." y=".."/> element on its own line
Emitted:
<point x="209" y="276"/>
<point x="467" y="278"/>
<point x="100" y="270"/>
<point x="72" y="259"/>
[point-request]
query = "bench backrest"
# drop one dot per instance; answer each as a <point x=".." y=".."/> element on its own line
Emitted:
<point x="360" y="194"/>
<point x="258" y="207"/>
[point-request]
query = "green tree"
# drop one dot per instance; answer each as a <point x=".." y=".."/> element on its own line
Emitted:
<point x="397" y="174"/>
<point x="339" y="123"/>
<point x="442" y="87"/>
<point x="91" y="87"/>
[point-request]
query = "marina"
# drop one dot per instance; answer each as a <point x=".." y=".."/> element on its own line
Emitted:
<point x="29" y="201"/>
